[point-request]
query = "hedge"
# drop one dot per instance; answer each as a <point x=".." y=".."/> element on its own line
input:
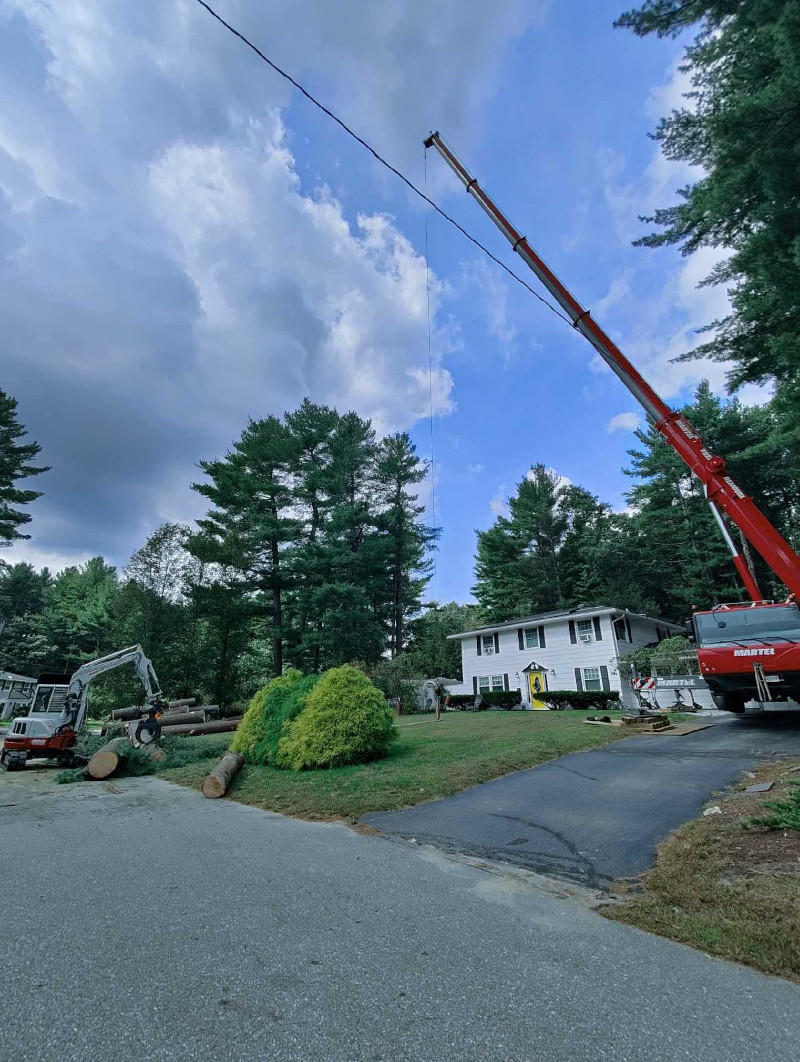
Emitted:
<point x="557" y="700"/>
<point x="507" y="699"/>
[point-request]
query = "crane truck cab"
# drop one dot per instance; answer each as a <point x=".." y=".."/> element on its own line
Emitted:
<point x="749" y="651"/>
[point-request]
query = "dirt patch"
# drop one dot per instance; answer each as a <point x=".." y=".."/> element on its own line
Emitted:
<point x="724" y="886"/>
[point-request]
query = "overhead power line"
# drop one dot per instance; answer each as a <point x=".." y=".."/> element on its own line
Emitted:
<point x="379" y="158"/>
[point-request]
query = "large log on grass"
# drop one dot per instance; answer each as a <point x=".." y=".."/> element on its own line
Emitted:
<point x="107" y="759"/>
<point x="126" y="714"/>
<point x="176" y="718"/>
<point x="218" y="726"/>
<point x="216" y="784"/>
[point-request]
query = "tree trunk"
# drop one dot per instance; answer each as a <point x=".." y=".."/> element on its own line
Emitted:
<point x="216" y="784"/>
<point x="219" y="726"/>
<point x="186" y="702"/>
<point x="106" y="760"/>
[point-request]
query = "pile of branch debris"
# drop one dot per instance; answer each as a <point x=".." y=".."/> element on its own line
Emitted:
<point x="182" y="717"/>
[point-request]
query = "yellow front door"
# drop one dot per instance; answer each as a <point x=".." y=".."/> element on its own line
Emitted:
<point x="538" y="684"/>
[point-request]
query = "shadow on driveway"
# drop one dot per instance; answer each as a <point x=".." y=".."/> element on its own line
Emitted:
<point x="598" y="815"/>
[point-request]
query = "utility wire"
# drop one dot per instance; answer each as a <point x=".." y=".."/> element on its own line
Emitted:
<point x="350" y="132"/>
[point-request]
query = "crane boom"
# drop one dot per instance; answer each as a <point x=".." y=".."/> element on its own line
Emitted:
<point x="721" y="491"/>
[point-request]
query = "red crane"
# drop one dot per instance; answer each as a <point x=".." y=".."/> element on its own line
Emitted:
<point x="763" y="630"/>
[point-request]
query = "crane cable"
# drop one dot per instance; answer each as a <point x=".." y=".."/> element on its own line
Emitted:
<point x="393" y="169"/>
<point x="430" y="372"/>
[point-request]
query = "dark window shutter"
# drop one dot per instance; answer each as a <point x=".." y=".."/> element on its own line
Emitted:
<point x="505" y="682"/>
<point x="496" y="642"/>
<point x="475" y="684"/>
<point x="598" y="633"/>
<point x="541" y="638"/>
<point x="573" y="637"/>
<point x="479" y="644"/>
<point x="628" y="629"/>
<point x="521" y="637"/>
<point x="578" y="679"/>
<point x="604" y="677"/>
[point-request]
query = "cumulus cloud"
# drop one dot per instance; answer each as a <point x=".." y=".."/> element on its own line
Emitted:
<point x="167" y="265"/>
<point x="624" y="422"/>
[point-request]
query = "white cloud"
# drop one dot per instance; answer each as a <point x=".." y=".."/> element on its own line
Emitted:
<point x="624" y="422"/>
<point x="475" y="470"/>
<point x="165" y="271"/>
<point x="498" y="504"/>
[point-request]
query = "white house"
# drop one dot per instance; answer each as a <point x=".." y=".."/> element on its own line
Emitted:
<point x="576" y="649"/>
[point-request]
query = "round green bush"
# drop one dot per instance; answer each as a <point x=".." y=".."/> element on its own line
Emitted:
<point x="284" y="701"/>
<point x="275" y="704"/>
<point x="345" y="720"/>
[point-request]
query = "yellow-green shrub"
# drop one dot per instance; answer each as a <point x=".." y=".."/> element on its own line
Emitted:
<point x="345" y="720"/>
<point x="251" y="729"/>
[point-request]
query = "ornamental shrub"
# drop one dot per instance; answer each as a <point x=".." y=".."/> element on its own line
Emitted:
<point x="286" y="698"/>
<point x="251" y="730"/>
<point x="346" y="720"/>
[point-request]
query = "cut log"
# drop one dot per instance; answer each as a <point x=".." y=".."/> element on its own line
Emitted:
<point x="217" y="726"/>
<point x="196" y="715"/>
<point x="186" y="702"/>
<point x="129" y="714"/>
<point x="216" y="784"/>
<point x="113" y="729"/>
<point x="107" y="759"/>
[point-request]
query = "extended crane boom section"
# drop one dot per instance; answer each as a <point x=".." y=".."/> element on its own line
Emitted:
<point x="721" y="491"/>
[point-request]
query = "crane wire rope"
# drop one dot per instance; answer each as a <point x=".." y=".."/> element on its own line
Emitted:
<point x="376" y="155"/>
<point x="430" y="372"/>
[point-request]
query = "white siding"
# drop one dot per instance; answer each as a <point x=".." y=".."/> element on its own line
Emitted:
<point x="559" y="655"/>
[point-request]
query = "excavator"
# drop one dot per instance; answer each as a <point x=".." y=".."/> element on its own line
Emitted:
<point x="58" y="712"/>
<point x="747" y="650"/>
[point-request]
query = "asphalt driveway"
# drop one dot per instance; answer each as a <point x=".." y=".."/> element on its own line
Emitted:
<point x="598" y="815"/>
<point x="140" y="921"/>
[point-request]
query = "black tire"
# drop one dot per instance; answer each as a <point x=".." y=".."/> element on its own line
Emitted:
<point x="730" y="702"/>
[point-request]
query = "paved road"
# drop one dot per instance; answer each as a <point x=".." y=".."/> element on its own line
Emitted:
<point x="141" y="922"/>
<point x="598" y="815"/>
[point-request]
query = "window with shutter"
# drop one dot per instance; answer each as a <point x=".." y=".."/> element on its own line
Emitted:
<point x="591" y="678"/>
<point x="488" y="644"/>
<point x="604" y="677"/>
<point x="520" y="637"/>
<point x="497" y="683"/>
<point x="542" y="643"/>
<point x="585" y="631"/>
<point x="572" y="635"/>
<point x="532" y="638"/>
<point x="578" y="679"/>
<point x="598" y="631"/>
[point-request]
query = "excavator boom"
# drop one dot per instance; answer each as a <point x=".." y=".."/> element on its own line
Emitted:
<point x="721" y="491"/>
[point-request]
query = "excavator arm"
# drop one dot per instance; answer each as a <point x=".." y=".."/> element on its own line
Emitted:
<point x="76" y="701"/>
<point x="723" y="495"/>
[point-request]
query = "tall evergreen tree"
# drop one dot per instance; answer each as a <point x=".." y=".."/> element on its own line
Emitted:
<point x="406" y="540"/>
<point x="741" y="127"/>
<point x="253" y="527"/>
<point x="15" y="464"/>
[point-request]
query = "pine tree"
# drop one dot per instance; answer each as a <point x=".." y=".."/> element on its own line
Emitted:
<point x="406" y="541"/>
<point x="741" y="128"/>
<point x="15" y="464"/>
<point x="252" y="529"/>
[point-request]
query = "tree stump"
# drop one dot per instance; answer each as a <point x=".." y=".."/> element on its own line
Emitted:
<point x="216" y="784"/>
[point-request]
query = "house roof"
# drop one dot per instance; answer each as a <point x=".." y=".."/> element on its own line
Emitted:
<point x="581" y="612"/>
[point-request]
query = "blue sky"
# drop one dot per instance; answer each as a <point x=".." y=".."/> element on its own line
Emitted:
<point x="184" y="243"/>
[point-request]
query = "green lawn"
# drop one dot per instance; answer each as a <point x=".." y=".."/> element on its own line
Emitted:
<point x="429" y="759"/>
